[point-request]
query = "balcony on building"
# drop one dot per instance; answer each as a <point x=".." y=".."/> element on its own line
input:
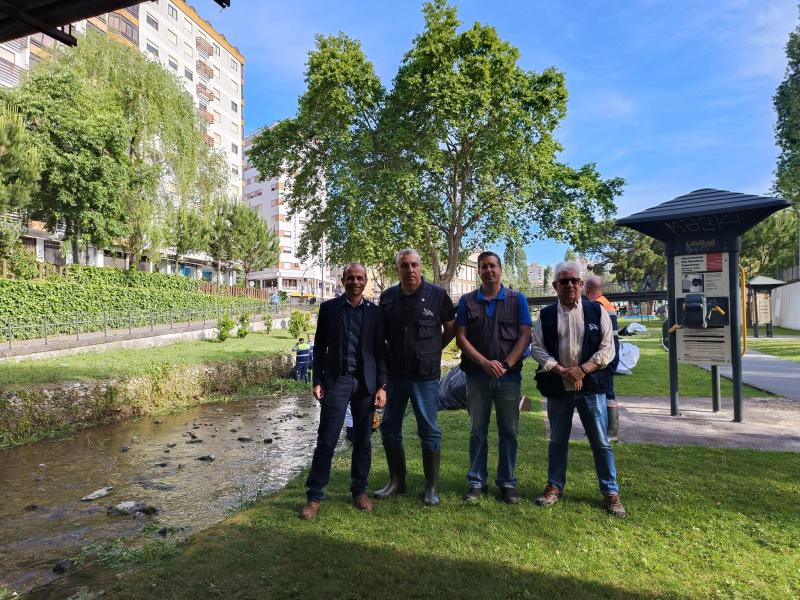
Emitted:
<point x="204" y="46"/>
<point x="207" y="116"/>
<point x="204" y="93"/>
<point x="204" y="70"/>
<point x="208" y="140"/>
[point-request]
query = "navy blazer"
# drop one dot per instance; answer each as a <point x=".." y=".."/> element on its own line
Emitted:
<point x="328" y="345"/>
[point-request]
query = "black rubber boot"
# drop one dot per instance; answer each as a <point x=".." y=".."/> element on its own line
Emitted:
<point x="613" y="423"/>
<point x="396" y="459"/>
<point x="430" y="464"/>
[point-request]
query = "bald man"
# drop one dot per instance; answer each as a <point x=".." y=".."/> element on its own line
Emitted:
<point x="594" y="291"/>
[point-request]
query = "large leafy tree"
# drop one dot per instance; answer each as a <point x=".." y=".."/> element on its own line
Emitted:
<point x="83" y="145"/>
<point x="458" y="154"/>
<point x="165" y="134"/>
<point x="631" y="256"/>
<point x="19" y="161"/>
<point x="787" y="137"/>
<point x="771" y="245"/>
<point x="254" y="244"/>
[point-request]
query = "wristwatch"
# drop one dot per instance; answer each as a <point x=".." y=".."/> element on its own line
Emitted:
<point x="585" y="372"/>
<point x="506" y="366"/>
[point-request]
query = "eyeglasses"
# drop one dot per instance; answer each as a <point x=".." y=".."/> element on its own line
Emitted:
<point x="573" y="280"/>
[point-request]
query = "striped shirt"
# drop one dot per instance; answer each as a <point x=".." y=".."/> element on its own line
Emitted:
<point x="570" y="341"/>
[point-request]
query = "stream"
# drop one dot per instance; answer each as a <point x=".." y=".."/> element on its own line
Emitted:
<point x="156" y="461"/>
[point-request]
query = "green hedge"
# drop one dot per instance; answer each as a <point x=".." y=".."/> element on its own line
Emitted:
<point x="103" y="276"/>
<point x="26" y="304"/>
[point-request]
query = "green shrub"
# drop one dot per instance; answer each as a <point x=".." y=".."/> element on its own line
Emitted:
<point x="299" y="322"/>
<point x="126" y="278"/>
<point x="244" y="324"/>
<point x="22" y="263"/>
<point x="25" y="304"/>
<point x="224" y="327"/>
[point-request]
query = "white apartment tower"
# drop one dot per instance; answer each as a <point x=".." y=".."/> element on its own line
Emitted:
<point x="171" y="32"/>
<point x="298" y="278"/>
<point x="210" y="67"/>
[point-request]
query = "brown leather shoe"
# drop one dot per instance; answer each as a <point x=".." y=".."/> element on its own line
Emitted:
<point x="309" y="511"/>
<point x="362" y="502"/>
<point x="550" y="496"/>
<point x="614" y="506"/>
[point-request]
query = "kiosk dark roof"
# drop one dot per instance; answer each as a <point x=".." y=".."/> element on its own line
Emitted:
<point x="764" y="284"/>
<point x="704" y="212"/>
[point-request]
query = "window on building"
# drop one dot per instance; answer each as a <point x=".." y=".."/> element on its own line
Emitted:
<point x="173" y="64"/>
<point x="235" y="86"/>
<point x="172" y="11"/>
<point x="234" y="106"/>
<point x="124" y="27"/>
<point x="187" y="25"/>
<point x="234" y="65"/>
<point x="217" y="117"/>
<point x="216" y="72"/>
<point x="216" y="49"/>
<point x="152" y="49"/>
<point x="152" y="21"/>
<point x="172" y="37"/>
<point x="234" y="170"/>
<point x="217" y="140"/>
<point x="187" y="50"/>
<point x="216" y="94"/>
<point x="234" y="148"/>
<point x="234" y="127"/>
<point x="8" y="55"/>
<point x="188" y="74"/>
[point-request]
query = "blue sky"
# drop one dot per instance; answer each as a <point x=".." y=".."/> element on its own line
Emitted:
<point x="670" y="95"/>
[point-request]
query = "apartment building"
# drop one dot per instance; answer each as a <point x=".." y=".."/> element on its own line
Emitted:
<point x="211" y="70"/>
<point x="309" y="278"/>
<point x="536" y="274"/>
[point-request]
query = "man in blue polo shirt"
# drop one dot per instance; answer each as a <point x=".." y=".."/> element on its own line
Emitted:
<point x="493" y="330"/>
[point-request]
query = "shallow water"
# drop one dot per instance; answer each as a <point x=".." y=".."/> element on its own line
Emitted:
<point x="42" y="517"/>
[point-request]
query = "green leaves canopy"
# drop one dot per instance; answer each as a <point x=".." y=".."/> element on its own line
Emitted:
<point x="19" y="161"/>
<point x="458" y="154"/>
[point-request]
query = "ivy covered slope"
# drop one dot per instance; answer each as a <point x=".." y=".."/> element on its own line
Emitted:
<point x="91" y="291"/>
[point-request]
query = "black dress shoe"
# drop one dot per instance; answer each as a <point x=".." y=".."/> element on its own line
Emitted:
<point x="473" y="494"/>
<point x="510" y="495"/>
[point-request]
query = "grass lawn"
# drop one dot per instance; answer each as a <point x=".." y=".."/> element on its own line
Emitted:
<point x="783" y="347"/>
<point x="762" y="331"/>
<point x="703" y="523"/>
<point x="123" y="362"/>
<point x="651" y="375"/>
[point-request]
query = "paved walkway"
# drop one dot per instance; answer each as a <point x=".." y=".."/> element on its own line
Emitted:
<point x="769" y="373"/>
<point x="769" y="423"/>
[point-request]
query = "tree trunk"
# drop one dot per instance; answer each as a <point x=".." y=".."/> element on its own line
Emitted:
<point x="76" y="251"/>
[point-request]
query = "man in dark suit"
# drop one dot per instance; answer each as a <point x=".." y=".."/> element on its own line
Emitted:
<point x="349" y="367"/>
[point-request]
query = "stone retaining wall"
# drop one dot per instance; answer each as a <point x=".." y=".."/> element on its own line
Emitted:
<point x="43" y="411"/>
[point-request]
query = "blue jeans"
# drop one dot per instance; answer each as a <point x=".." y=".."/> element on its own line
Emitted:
<point x="424" y="396"/>
<point x="482" y="392"/>
<point x="593" y="413"/>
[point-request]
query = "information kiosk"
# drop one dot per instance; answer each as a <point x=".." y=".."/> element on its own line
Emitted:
<point x="703" y="232"/>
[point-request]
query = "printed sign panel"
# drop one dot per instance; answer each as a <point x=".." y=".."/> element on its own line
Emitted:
<point x="702" y="297"/>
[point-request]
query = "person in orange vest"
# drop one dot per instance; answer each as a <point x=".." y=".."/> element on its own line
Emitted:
<point x="594" y="292"/>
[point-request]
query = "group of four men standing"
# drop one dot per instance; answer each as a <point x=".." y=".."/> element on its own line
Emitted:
<point x="373" y="356"/>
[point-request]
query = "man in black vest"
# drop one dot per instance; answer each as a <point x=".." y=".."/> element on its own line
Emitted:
<point x="418" y="321"/>
<point x="349" y="367"/>
<point x="493" y="329"/>
<point x="573" y="343"/>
